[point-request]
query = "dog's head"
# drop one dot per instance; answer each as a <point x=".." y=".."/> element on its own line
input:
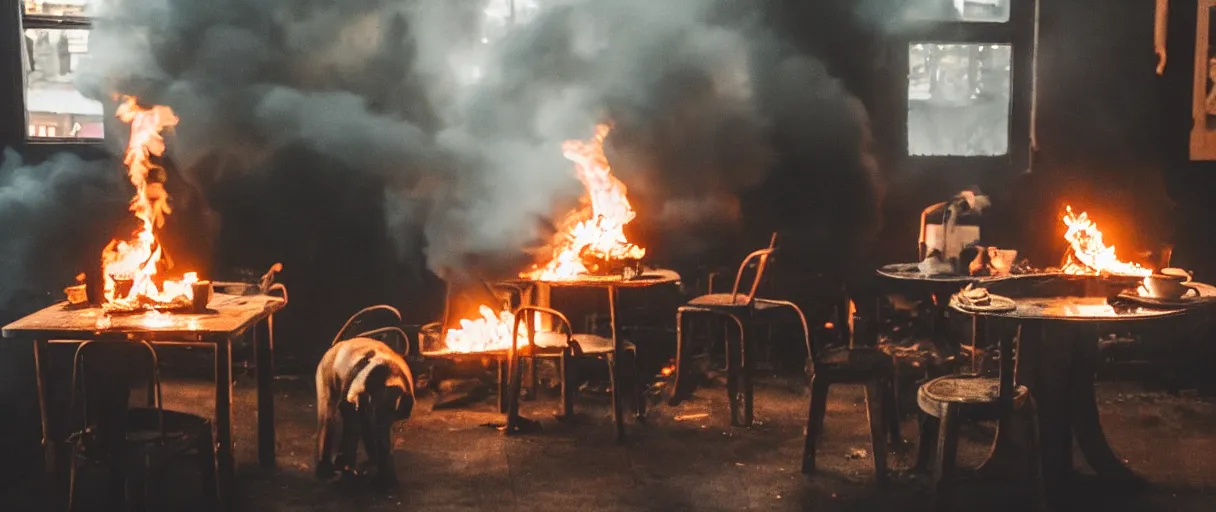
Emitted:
<point x="384" y="388"/>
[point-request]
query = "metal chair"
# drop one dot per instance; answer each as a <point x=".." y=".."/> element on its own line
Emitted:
<point x="851" y="364"/>
<point x="947" y="401"/>
<point x="565" y="346"/>
<point x="403" y="349"/>
<point x="114" y="434"/>
<point x="741" y="307"/>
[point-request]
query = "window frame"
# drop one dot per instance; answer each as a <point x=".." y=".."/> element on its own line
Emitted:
<point x="1018" y="33"/>
<point x="51" y="22"/>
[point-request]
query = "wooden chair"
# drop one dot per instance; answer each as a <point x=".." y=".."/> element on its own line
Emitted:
<point x="945" y="402"/>
<point x="116" y="435"/>
<point x="562" y="344"/>
<point x="742" y="307"/>
<point x="866" y="365"/>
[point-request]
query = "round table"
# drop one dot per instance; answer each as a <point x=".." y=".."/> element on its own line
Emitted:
<point x="1057" y="360"/>
<point x="650" y="277"/>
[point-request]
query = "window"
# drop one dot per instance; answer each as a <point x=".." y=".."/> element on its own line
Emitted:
<point x="54" y="44"/>
<point x="958" y="99"/>
<point x="968" y="77"/>
<point x="996" y="11"/>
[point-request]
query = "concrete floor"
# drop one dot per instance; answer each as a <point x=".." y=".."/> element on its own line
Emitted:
<point x="683" y="458"/>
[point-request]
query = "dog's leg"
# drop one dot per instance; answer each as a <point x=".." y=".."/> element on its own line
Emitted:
<point x="378" y="441"/>
<point x="348" y="449"/>
<point x="329" y="427"/>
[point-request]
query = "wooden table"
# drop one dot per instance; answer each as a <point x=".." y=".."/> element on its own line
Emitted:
<point x="229" y="317"/>
<point x="1057" y="361"/>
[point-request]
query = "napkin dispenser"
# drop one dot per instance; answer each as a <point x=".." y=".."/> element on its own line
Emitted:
<point x="949" y="227"/>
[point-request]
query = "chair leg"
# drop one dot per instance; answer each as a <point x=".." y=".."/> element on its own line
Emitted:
<point x="72" y="476"/>
<point x="732" y="377"/>
<point x="891" y="409"/>
<point x="639" y="387"/>
<point x="207" y="470"/>
<point x="875" y="405"/>
<point x="1036" y="492"/>
<point x="817" y="408"/>
<point x="927" y="446"/>
<point x="748" y="364"/>
<point x="618" y="412"/>
<point x="681" y="386"/>
<point x="947" y="453"/>
<point x="567" y="387"/>
<point x="533" y="379"/>
<point x="504" y="383"/>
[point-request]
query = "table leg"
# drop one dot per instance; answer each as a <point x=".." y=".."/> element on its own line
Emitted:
<point x="1086" y="426"/>
<point x="264" y="356"/>
<point x="48" y="441"/>
<point x="223" y="418"/>
<point x="618" y="411"/>
<point x="1044" y="369"/>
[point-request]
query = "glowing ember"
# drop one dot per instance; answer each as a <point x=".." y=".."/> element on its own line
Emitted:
<point x="597" y="234"/>
<point x="491" y="332"/>
<point x="130" y="265"/>
<point x="1088" y="254"/>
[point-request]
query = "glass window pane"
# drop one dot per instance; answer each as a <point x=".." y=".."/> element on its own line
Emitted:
<point x="54" y="107"/>
<point x="958" y="99"/>
<point x="992" y="11"/>
<point x="59" y="7"/>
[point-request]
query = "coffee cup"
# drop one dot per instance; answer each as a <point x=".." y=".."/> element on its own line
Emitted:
<point x="201" y="296"/>
<point x="1168" y="286"/>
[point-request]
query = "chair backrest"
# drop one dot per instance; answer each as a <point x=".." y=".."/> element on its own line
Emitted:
<point x="103" y="374"/>
<point x="342" y="333"/>
<point x="527" y="312"/>
<point x="760" y="259"/>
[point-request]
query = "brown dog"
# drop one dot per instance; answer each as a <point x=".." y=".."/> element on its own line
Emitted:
<point x="363" y="388"/>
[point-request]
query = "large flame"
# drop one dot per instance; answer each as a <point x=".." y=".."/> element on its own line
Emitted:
<point x="132" y="263"/>
<point x="1088" y="254"/>
<point x="491" y="332"/>
<point x="596" y="234"/>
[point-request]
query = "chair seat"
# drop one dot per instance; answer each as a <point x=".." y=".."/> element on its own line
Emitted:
<point x="552" y="344"/>
<point x="978" y="394"/>
<point x="861" y="361"/>
<point x="721" y="300"/>
<point x="182" y="431"/>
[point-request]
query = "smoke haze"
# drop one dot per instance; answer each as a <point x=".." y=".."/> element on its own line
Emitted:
<point x="461" y="119"/>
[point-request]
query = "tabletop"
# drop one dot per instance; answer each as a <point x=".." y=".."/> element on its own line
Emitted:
<point x="652" y="277"/>
<point x="910" y="272"/>
<point x="1075" y="309"/>
<point x="227" y="316"/>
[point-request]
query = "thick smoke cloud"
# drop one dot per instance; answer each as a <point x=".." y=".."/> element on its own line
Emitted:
<point x="43" y="208"/>
<point x="462" y="121"/>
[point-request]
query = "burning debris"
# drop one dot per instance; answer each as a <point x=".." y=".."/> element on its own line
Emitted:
<point x="593" y="240"/>
<point x="1088" y="255"/>
<point x="130" y="267"/>
<point x="491" y="332"/>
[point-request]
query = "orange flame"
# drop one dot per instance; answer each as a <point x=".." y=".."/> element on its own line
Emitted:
<point x="599" y="233"/>
<point x="135" y="260"/>
<point x="1088" y="254"/>
<point x="491" y="332"/>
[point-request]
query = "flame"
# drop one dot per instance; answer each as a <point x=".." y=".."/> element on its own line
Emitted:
<point x="596" y="234"/>
<point x="491" y="332"/>
<point x="134" y="261"/>
<point x="1088" y="254"/>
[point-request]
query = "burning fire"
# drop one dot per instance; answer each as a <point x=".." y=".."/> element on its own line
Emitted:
<point x="491" y="332"/>
<point x="1088" y="255"/>
<point x="598" y="234"/>
<point x="130" y="265"/>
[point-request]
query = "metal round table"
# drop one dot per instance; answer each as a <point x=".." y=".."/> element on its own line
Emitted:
<point x="1057" y="361"/>
<point x="651" y="277"/>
